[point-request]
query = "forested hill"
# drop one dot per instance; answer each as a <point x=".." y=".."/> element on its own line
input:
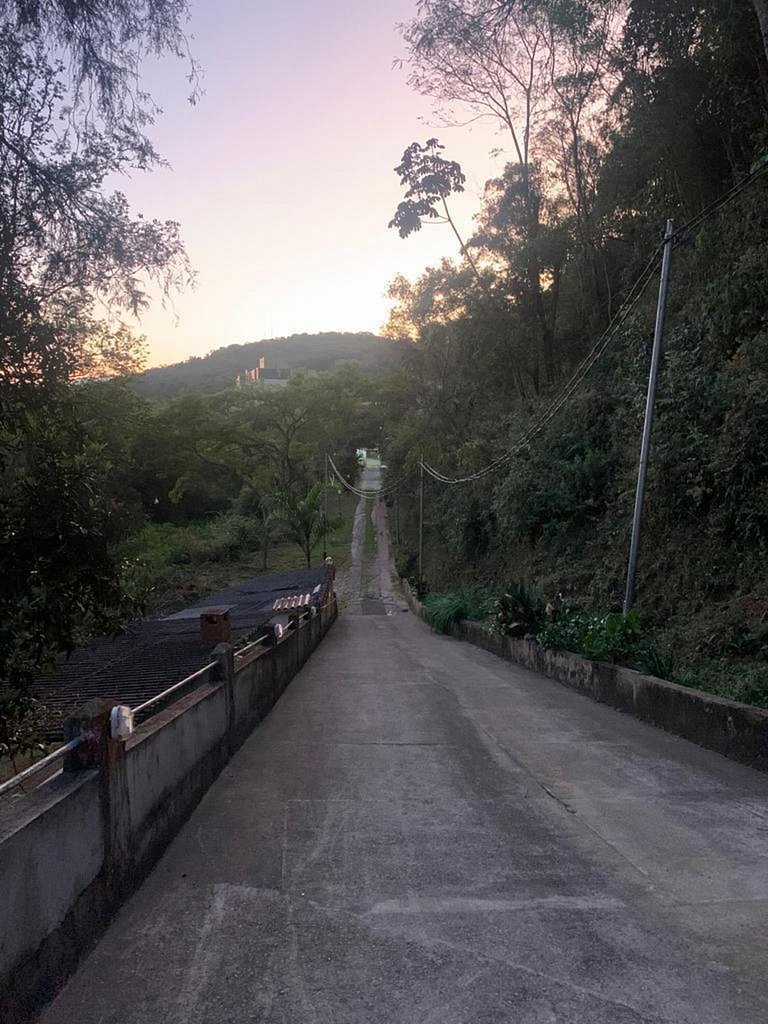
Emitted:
<point x="219" y="368"/>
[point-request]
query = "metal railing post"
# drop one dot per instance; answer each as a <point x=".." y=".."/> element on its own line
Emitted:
<point x="421" y="524"/>
<point x="225" y="673"/>
<point x="97" y="749"/>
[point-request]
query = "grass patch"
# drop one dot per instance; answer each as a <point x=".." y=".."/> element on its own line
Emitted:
<point x="444" y="610"/>
<point x="744" y="681"/>
<point x="339" y="543"/>
<point x="177" y="566"/>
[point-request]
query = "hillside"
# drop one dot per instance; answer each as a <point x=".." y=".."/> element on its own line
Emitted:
<point x="219" y="368"/>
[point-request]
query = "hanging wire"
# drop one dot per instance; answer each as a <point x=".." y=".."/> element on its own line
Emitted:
<point x="634" y="296"/>
<point x="640" y="285"/>
<point x="360" y="492"/>
<point x="681" y="233"/>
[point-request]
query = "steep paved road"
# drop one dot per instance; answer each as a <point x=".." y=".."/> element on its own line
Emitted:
<point x="422" y="834"/>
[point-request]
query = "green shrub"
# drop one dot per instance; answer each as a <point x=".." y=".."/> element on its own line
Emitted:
<point x="614" y="637"/>
<point x="565" y="631"/>
<point x="443" y="610"/>
<point x="734" y="680"/>
<point x="406" y="565"/>
<point x="655" y="661"/>
<point x="160" y="546"/>
<point x="520" y="610"/>
<point x="224" y="539"/>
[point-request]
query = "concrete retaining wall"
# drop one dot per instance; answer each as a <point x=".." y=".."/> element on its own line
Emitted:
<point x="168" y="768"/>
<point x="735" y="730"/>
<point x="41" y="881"/>
<point x="73" y="849"/>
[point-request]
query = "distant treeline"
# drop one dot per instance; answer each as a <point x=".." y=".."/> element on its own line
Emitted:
<point x="219" y="369"/>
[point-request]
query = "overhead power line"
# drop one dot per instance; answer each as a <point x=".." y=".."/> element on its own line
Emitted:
<point x="605" y="339"/>
<point x="360" y="492"/>
<point x="633" y="297"/>
<point x="684" y="230"/>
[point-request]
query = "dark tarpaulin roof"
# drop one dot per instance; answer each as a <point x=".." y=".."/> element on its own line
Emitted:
<point x="155" y="653"/>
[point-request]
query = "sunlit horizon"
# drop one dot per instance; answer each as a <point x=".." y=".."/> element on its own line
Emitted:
<point x="282" y="179"/>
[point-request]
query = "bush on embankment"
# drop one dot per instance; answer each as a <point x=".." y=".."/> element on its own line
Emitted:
<point x="519" y="611"/>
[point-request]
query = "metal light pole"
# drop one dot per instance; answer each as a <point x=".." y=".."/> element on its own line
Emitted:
<point x="629" y="594"/>
<point x="421" y="523"/>
<point x="325" y="509"/>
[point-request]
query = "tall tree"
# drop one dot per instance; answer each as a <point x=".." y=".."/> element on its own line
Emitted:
<point x="495" y="69"/>
<point x="73" y="263"/>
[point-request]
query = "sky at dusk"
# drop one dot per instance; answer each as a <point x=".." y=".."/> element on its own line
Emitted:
<point x="281" y="176"/>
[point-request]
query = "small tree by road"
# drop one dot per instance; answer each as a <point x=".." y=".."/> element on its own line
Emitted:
<point x="304" y="518"/>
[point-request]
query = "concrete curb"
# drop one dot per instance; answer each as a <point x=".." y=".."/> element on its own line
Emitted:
<point x="735" y="730"/>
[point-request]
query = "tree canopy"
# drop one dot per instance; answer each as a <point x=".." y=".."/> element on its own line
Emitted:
<point x="615" y="117"/>
<point x="74" y="263"/>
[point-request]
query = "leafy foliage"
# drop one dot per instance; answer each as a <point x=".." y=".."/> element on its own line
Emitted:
<point x="443" y="611"/>
<point x="430" y="180"/>
<point x="614" y="637"/>
<point x="636" y="113"/>
<point x="518" y="612"/>
<point x="71" y="117"/>
<point x="21" y="720"/>
<point x="304" y="518"/>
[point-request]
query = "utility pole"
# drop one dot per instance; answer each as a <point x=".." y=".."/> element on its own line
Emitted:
<point x="421" y="523"/>
<point x="325" y="509"/>
<point x="629" y="594"/>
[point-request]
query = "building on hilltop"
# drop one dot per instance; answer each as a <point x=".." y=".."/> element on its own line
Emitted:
<point x="263" y="374"/>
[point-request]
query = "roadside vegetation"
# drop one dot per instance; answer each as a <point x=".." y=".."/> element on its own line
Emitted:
<point x="521" y="613"/>
<point x="634" y="113"/>
<point x="443" y="611"/>
<point x="175" y="566"/>
<point x="118" y="498"/>
<point x="111" y="504"/>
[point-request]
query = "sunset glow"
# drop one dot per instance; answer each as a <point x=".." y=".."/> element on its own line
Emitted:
<point x="281" y="176"/>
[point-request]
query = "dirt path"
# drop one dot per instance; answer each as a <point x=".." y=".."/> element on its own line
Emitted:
<point x="366" y="588"/>
<point x="349" y="583"/>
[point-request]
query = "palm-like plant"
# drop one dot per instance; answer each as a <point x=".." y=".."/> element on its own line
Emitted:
<point x="305" y="521"/>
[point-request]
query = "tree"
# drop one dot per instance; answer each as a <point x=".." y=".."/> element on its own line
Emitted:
<point x="253" y="502"/>
<point x="541" y="71"/>
<point x="103" y="46"/>
<point x="61" y="577"/>
<point x="430" y="180"/>
<point x="643" y="111"/>
<point x="63" y="242"/>
<point x="304" y="518"/>
<point x="73" y="262"/>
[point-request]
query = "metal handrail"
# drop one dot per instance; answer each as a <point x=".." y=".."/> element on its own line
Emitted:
<point x="55" y="755"/>
<point x="173" y="689"/>
<point x="244" y="651"/>
<point x="38" y="766"/>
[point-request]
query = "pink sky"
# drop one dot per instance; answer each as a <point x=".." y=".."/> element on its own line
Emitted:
<point x="281" y="176"/>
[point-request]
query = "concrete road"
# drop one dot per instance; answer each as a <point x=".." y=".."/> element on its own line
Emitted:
<point x="422" y="834"/>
